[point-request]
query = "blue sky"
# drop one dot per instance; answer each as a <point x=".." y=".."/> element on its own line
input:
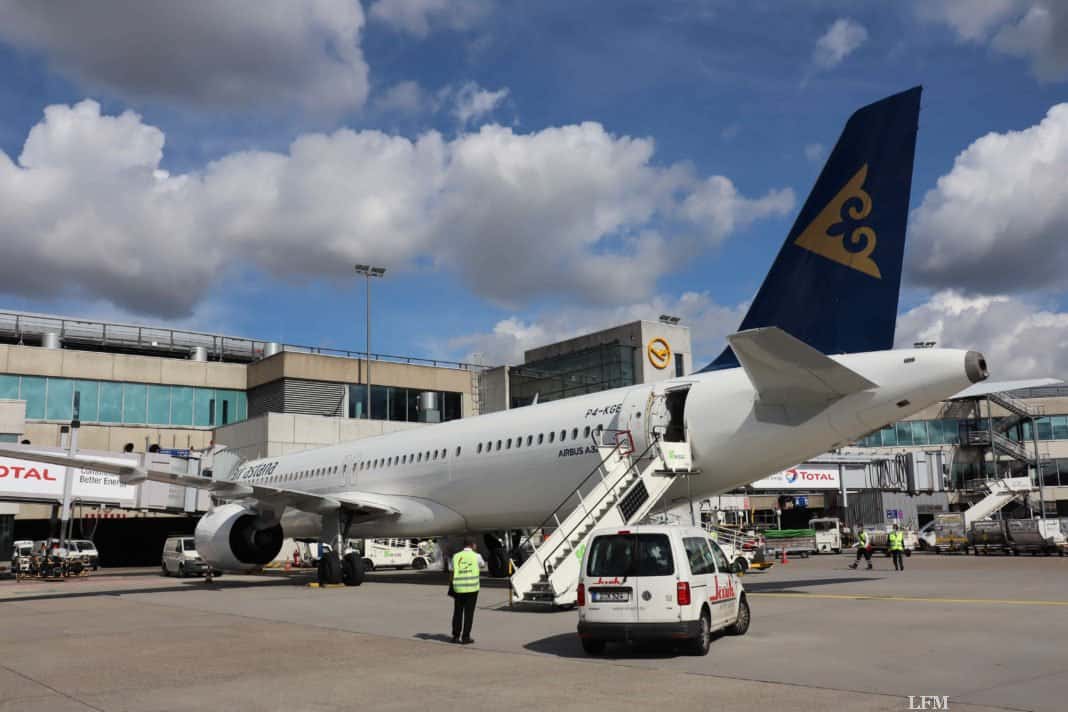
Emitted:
<point x="271" y="145"/>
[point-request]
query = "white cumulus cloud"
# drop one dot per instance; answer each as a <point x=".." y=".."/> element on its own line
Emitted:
<point x="571" y="211"/>
<point x="1036" y="30"/>
<point x="472" y="102"/>
<point x="1020" y="339"/>
<point x="233" y="54"/>
<point x="997" y="221"/>
<point x="840" y="40"/>
<point x="419" y="17"/>
<point x="709" y="324"/>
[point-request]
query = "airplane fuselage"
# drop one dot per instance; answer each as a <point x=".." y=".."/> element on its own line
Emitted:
<point x="511" y="469"/>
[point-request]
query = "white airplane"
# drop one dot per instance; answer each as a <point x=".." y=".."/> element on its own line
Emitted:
<point x="772" y="399"/>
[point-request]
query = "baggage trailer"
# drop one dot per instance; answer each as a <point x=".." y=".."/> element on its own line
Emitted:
<point x="1036" y="536"/>
<point x="987" y="536"/>
<point x="792" y="541"/>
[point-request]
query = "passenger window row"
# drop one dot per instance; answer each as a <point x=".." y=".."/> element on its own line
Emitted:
<point x="437" y="454"/>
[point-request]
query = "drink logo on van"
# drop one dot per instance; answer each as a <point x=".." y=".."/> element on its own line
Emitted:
<point x="723" y="593"/>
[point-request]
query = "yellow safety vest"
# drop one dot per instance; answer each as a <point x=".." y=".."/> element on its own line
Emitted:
<point x="465" y="572"/>
<point x="897" y="541"/>
<point x="862" y="540"/>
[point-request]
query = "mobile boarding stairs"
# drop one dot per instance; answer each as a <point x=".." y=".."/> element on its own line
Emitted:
<point x="621" y="491"/>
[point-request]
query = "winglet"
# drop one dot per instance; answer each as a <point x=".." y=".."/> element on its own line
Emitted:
<point x="786" y="370"/>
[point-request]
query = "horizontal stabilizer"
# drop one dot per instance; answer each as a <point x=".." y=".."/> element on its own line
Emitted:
<point x="785" y="370"/>
<point x="979" y="390"/>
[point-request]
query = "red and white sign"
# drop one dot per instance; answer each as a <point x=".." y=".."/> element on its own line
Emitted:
<point x="22" y="479"/>
<point x="801" y="478"/>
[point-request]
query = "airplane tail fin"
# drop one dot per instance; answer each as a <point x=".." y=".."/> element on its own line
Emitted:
<point x="835" y="282"/>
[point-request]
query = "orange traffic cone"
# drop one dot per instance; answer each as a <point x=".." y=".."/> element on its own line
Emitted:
<point x="784" y="559"/>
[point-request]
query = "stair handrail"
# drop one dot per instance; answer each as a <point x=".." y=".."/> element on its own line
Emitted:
<point x="608" y="490"/>
<point x="620" y="442"/>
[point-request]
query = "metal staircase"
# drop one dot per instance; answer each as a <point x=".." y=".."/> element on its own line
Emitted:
<point x="999" y="494"/>
<point x="622" y="490"/>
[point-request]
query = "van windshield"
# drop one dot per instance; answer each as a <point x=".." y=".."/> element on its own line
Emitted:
<point x="620" y="555"/>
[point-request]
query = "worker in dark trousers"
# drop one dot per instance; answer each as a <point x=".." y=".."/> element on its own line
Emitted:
<point x="863" y="548"/>
<point x="897" y="547"/>
<point x="464" y="590"/>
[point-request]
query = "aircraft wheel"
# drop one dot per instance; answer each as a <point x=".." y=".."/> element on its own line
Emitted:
<point x="498" y="567"/>
<point x="352" y="570"/>
<point x="329" y="568"/>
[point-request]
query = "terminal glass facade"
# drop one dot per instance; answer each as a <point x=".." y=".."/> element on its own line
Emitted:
<point x="948" y="432"/>
<point x="574" y="374"/>
<point x="108" y="402"/>
<point x="403" y="404"/>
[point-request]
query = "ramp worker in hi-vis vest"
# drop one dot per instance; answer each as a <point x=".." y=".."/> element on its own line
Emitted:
<point x="897" y="547"/>
<point x="464" y="590"/>
<point x="863" y="547"/>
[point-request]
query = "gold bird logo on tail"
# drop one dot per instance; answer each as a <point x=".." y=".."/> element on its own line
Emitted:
<point x="852" y="204"/>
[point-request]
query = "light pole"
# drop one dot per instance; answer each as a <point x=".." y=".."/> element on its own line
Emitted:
<point x="368" y="271"/>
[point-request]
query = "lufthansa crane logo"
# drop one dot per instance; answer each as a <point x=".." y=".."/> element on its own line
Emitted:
<point x="659" y="353"/>
<point x="835" y="226"/>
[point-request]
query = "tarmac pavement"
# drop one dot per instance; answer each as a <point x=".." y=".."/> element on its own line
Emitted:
<point x="988" y="632"/>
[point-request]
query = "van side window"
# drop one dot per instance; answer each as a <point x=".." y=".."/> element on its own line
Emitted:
<point x="720" y="557"/>
<point x="700" y="556"/>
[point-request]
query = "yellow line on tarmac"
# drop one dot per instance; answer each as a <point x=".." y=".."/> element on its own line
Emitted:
<point x="922" y="599"/>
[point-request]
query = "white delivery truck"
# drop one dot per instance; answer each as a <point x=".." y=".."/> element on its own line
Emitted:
<point x="828" y="534"/>
<point x="658" y="582"/>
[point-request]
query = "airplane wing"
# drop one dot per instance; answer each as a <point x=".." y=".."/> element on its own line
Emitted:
<point x="133" y="469"/>
<point x="786" y="370"/>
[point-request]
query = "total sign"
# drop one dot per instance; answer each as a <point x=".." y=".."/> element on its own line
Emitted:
<point x="801" y="478"/>
<point x="22" y="479"/>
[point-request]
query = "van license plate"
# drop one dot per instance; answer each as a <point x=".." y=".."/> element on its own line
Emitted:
<point x="610" y="596"/>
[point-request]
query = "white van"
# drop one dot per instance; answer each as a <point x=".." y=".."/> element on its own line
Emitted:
<point x="180" y="557"/>
<point x="658" y="583"/>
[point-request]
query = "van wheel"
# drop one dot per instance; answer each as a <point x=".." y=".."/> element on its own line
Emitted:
<point x="741" y="623"/>
<point x="164" y="571"/>
<point x="701" y="644"/>
<point x="368" y="565"/>
<point x="592" y="646"/>
<point x="352" y="570"/>
<point x="181" y="570"/>
<point x="419" y="563"/>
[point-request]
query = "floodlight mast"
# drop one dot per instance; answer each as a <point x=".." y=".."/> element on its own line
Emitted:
<point x="368" y="271"/>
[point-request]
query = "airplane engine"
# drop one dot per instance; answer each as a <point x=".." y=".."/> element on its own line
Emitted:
<point x="233" y="537"/>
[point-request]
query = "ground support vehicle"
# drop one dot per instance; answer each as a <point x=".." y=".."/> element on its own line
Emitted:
<point x="880" y="541"/>
<point x="949" y="534"/>
<point x="398" y="553"/>
<point x="1034" y="536"/>
<point x="744" y="548"/>
<point x="658" y="583"/>
<point x="987" y="536"/>
<point x="87" y="550"/>
<point x="793" y="541"/>
<point x="828" y="534"/>
<point x="180" y="558"/>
